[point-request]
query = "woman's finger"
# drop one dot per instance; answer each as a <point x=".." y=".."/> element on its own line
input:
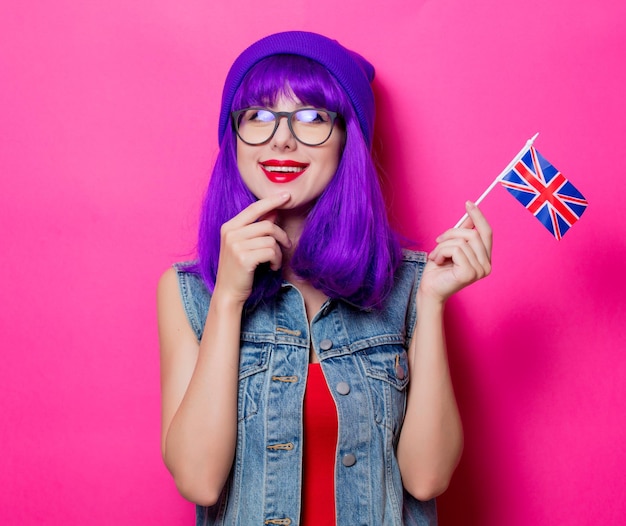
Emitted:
<point x="476" y="231"/>
<point x="259" y="229"/>
<point x="251" y="259"/>
<point x="470" y="243"/>
<point x="461" y="255"/>
<point x="258" y="209"/>
<point x="481" y="225"/>
<point x="469" y="237"/>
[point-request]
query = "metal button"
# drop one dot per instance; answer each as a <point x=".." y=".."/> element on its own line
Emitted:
<point x="326" y="344"/>
<point x="399" y="372"/>
<point x="348" y="460"/>
<point x="342" y="388"/>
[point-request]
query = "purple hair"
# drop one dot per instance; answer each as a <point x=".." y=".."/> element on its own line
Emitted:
<point x="347" y="248"/>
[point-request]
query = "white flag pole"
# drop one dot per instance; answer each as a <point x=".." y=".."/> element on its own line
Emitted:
<point x="521" y="154"/>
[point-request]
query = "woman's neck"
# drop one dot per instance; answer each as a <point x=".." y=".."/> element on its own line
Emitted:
<point x="292" y="222"/>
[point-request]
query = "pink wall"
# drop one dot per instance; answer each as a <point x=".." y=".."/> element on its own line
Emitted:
<point x="107" y="132"/>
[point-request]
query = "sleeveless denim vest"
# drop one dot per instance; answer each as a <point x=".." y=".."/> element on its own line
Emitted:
<point x="363" y="355"/>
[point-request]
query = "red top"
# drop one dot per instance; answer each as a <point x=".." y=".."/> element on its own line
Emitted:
<point x="320" y="443"/>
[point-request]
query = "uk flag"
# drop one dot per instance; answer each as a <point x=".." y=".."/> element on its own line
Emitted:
<point x="545" y="192"/>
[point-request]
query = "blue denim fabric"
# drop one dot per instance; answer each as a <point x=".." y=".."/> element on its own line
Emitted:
<point x="364" y="360"/>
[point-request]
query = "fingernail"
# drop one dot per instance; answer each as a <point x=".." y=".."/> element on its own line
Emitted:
<point x="469" y="205"/>
<point x="285" y="195"/>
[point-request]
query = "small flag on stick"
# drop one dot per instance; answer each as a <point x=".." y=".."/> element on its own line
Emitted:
<point x="545" y="192"/>
<point x="542" y="189"/>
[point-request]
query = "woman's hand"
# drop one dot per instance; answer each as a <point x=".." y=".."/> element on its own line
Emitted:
<point x="248" y="240"/>
<point x="461" y="257"/>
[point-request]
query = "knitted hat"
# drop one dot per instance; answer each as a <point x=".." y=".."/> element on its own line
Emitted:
<point x="351" y="70"/>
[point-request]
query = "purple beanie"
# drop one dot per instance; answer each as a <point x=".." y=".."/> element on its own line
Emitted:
<point x="351" y="70"/>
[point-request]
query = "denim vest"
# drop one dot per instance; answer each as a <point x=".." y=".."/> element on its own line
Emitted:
<point x="363" y="355"/>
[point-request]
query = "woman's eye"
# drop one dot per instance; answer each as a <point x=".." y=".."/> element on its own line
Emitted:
<point x="261" y="116"/>
<point x="311" y="116"/>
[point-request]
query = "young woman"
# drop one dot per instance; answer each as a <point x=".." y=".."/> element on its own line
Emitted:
<point x="304" y="369"/>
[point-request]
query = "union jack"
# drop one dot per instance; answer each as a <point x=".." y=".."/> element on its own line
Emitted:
<point x="545" y="192"/>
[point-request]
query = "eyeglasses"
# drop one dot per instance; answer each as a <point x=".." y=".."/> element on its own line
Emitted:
<point x="310" y="126"/>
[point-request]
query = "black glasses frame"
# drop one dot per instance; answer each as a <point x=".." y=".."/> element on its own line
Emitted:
<point x="277" y="116"/>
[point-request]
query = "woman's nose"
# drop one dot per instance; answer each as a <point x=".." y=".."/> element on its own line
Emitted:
<point x="283" y="138"/>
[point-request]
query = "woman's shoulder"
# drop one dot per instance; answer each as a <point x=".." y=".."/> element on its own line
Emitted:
<point x="407" y="276"/>
<point x="411" y="266"/>
<point x="186" y="267"/>
<point x="407" y="282"/>
<point x="413" y="262"/>
<point x="193" y="292"/>
<point x="414" y="256"/>
<point x="188" y="276"/>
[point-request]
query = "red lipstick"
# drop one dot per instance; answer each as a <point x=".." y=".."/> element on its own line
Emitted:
<point x="283" y="171"/>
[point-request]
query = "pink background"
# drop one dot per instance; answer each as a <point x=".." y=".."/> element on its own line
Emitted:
<point x="108" y="116"/>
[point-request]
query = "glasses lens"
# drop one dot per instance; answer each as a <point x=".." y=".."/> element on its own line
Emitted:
<point x="255" y="126"/>
<point x="311" y="126"/>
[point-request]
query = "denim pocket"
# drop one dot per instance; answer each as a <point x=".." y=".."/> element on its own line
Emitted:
<point x="387" y="370"/>
<point x="253" y="362"/>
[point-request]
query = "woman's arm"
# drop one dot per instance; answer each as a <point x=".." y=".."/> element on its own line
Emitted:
<point x="199" y="393"/>
<point x="199" y="381"/>
<point x="431" y="439"/>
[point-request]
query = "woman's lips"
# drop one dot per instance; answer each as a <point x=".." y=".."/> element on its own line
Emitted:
<point x="282" y="171"/>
